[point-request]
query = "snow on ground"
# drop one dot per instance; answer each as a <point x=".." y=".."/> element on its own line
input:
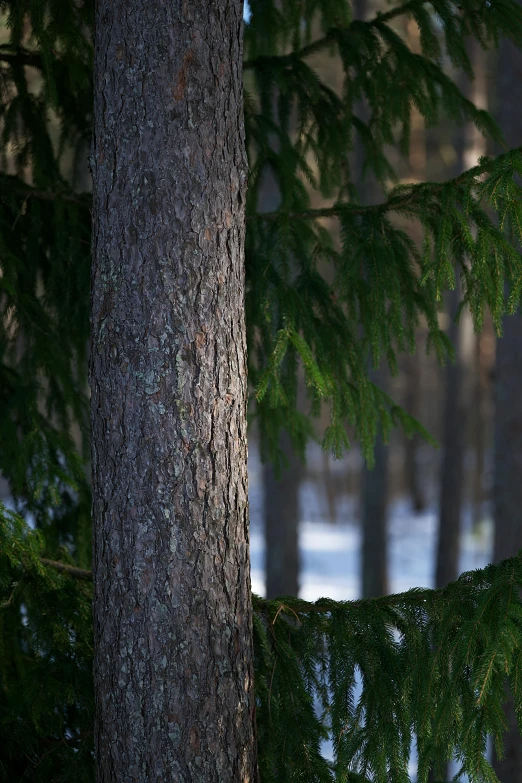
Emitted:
<point x="329" y="552"/>
<point x="330" y="563"/>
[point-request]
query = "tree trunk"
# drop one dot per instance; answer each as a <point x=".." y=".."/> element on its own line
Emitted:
<point x="172" y="604"/>
<point x="470" y="146"/>
<point x="374" y="482"/>
<point x="508" y="440"/>
<point x="508" y="494"/>
<point x="374" y="524"/>
<point x="281" y="510"/>
<point x="412" y="403"/>
<point x="330" y="488"/>
<point x="452" y="469"/>
<point x="479" y="429"/>
<point x="474" y="146"/>
<point x="508" y="402"/>
<point x="280" y="496"/>
<point x="417" y="164"/>
<point x="374" y="517"/>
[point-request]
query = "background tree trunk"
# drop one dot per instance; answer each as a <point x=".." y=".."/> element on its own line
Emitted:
<point x="281" y="511"/>
<point x="508" y="491"/>
<point x="280" y="496"/>
<point x="412" y="404"/>
<point x="508" y="400"/>
<point x="330" y="488"/>
<point x="374" y="482"/>
<point x="452" y="468"/>
<point x="413" y="397"/>
<point x="172" y="603"/>
<point x="470" y="145"/>
<point x="508" y="440"/>
<point x="375" y="527"/>
<point x="479" y="428"/>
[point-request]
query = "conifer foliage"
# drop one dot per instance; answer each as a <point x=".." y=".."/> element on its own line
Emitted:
<point x="327" y="288"/>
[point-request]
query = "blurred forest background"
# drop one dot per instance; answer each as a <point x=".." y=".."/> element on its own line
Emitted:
<point x="422" y="514"/>
<point x="435" y="507"/>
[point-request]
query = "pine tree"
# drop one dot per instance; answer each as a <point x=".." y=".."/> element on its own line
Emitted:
<point x="432" y="664"/>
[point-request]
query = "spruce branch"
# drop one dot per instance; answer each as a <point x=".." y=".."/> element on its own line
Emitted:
<point x="15" y="185"/>
<point x="400" y="199"/>
<point x="299" y="606"/>
<point x="21" y="56"/>
<point x="295" y="605"/>
<point x="65" y="568"/>
<point x="416" y="597"/>
<point x="333" y="35"/>
<point x="9" y="601"/>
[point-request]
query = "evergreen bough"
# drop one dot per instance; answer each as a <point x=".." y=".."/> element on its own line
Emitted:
<point x="374" y="676"/>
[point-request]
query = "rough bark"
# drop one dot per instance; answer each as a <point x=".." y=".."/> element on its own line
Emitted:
<point x="452" y="468"/>
<point x="172" y="604"/>
<point x="281" y="512"/>
<point x="508" y="402"/>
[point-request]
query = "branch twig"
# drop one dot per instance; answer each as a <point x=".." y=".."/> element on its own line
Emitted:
<point x="65" y="568"/>
<point x="396" y="202"/>
<point x="27" y="192"/>
<point x="22" y="57"/>
<point x="332" y="36"/>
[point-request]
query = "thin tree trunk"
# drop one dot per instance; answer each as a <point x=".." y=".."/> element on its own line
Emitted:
<point x="281" y="511"/>
<point x="330" y="487"/>
<point x="508" y="495"/>
<point x="172" y="605"/>
<point x="469" y="145"/>
<point x="374" y="482"/>
<point x="417" y="161"/>
<point x="452" y="469"/>
<point x="479" y="428"/>
<point x="508" y="404"/>
<point x="280" y="496"/>
<point x="411" y="445"/>
<point x="374" y="516"/>
<point x="508" y="440"/>
<point x="474" y="147"/>
<point x="375" y="524"/>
